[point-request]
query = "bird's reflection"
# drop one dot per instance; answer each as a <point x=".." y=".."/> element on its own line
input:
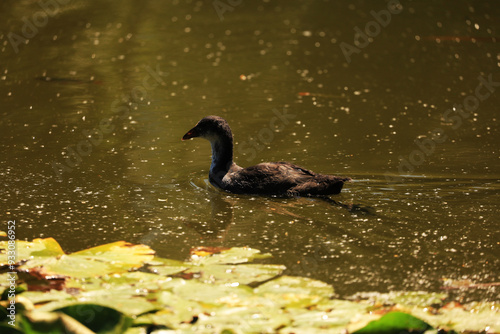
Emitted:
<point x="221" y="217"/>
<point x="222" y="206"/>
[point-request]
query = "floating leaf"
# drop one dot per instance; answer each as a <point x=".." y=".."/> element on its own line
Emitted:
<point x="124" y="300"/>
<point x="6" y="278"/>
<point x="111" y="258"/>
<point x="230" y="256"/>
<point x="120" y="251"/>
<point x="25" y="250"/>
<point x="242" y="320"/>
<point x="159" y="319"/>
<point x="241" y="273"/>
<point x="405" y="298"/>
<point x="478" y="317"/>
<point x="167" y="267"/>
<point x="204" y="250"/>
<point x="38" y="297"/>
<point x="295" y="291"/>
<point x="216" y="294"/>
<point x="174" y="310"/>
<point x="211" y="294"/>
<point x="395" y="323"/>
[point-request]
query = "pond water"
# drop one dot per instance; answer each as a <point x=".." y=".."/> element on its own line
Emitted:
<point x="402" y="97"/>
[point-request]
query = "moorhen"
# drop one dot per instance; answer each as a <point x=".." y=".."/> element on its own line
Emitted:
<point x="268" y="178"/>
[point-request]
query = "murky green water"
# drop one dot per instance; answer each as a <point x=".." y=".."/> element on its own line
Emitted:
<point x="95" y="96"/>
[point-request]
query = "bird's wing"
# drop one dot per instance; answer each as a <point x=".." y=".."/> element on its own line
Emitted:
<point x="270" y="177"/>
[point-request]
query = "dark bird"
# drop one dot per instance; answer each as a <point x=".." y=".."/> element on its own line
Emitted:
<point x="268" y="178"/>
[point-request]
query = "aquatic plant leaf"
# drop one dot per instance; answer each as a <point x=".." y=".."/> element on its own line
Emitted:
<point x="314" y="320"/>
<point x="405" y="298"/>
<point x="38" y="297"/>
<point x="50" y="323"/>
<point x="242" y="320"/>
<point x="5" y="279"/>
<point x="137" y="330"/>
<point x="211" y="294"/>
<point x="120" y="251"/>
<point x="327" y="314"/>
<point x="167" y="267"/>
<point x="241" y="273"/>
<point x="207" y="250"/>
<point x="474" y="317"/>
<point x="216" y="294"/>
<point x="97" y="318"/>
<point x="295" y="291"/>
<point x="111" y="258"/>
<point x="394" y="323"/>
<point x="26" y="250"/>
<point x="122" y="300"/>
<point x="230" y="256"/>
<point x="179" y="310"/>
<point x="137" y="279"/>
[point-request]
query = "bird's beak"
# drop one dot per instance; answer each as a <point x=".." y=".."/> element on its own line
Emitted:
<point x="190" y="134"/>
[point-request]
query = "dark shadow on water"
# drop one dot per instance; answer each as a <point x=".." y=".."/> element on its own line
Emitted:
<point x="351" y="207"/>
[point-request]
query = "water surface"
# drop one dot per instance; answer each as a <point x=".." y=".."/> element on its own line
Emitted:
<point x="98" y="94"/>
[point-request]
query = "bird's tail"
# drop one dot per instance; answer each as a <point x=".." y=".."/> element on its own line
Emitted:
<point x="332" y="185"/>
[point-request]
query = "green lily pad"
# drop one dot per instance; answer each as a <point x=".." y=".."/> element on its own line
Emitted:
<point x="210" y="294"/>
<point x="176" y="310"/>
<point x="241" y="273"/>
<point x="405" y="298"/>
<point x="161" y="319"/>
<point x="167" y="267"/>
<point x="122" y="300"/>
<point x="230" y="256"/>
<point x="5" y="279"/>
<point x="133" y="281"/>
<point x="216" y="294"/>
<point x="474" y="317"/>
<point x="38" y="297"/>
<point x="395" y="323"/>
<point x="137" y="330"/>
<point x="120" y="251"/>
<point x="242" y="320"/>
<point x="25" y="250"/>
<point x="111" y="258"/>
<point x="295" y="291"/>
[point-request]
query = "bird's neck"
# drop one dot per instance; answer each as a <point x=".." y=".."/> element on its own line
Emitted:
<point x="222" y="156"/>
